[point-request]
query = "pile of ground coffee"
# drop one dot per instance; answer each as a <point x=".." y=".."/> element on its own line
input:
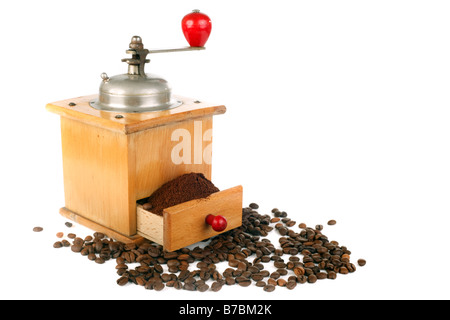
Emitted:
<point x="187" y="187"/>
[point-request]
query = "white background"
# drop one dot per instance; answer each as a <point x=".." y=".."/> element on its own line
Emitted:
<point x="335" y="110"/>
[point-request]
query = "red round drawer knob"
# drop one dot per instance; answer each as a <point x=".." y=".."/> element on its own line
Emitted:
<point x="218" y="223"/>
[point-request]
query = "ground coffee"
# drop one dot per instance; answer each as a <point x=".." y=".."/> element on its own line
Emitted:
<point x="187" y="187"/>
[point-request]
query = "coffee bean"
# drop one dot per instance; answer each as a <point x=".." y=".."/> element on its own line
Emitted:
<point x="184" y="274"/>
<point x="279" y="264"/>
<point x="312" y="278"/>
<point x="173" y="263"/>
<point x="291" y="284"/>
<point x="282" y="230"/>
<point x="264" y="273"/>
<point x="361" y="262"/>
<point x="158" y="286"/>
<point x="233" y="263"/>
<point x="57" y="244"/>
<point x="122" y="281"/>
<point x="275" y="275"/>
<point x="343" y="270"/>
<point x="148" y="285"/>
<point x="269" y="288"/>
<point x="165" y="277"/>
<point x="291" y="223"/>
<point x="257" y="276"/>
<point x="99" y="260"/>
<point x="68" y="224"/>
<point x="158" y="268"/>
<point x="183" y="257"/>
<point x="253" y="269"/>
<point x="351" y="267"/>
<point x="302" y="279"/>
<point x="216" y="286"/>
<point x="78" y="241"/>
<point x="230" y="280"/>
<point x="281" y="282"/>
<point x="38" y="229"/>
<point x="76" y="247"/>
<point x="254" y="206"/>
<point x="240" y="256"/>
<point x="241" y="266"/>
<point x="203" y="287"/>
<point x="65" y="243"/>
<point x="178" y="285"/>
<point x="241" y="279"/>
<point x="142" y="269"/>
<point x="332" y="275"/>
<point x="189" y="287"/>
<point x="331" y="222"/>
<point x="345" y="258"/>
<point x="282" y="271"/>
<point x="99" y="235"/>
<point x="140" y="281"/>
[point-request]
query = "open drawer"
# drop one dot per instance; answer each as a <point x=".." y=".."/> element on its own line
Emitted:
<point x="184" y="224"/>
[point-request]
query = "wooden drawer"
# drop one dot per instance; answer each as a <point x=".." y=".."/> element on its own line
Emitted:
<point x="184" y="224"/>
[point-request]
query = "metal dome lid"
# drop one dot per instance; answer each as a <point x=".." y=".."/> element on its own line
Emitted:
<point x="136" y="91"/>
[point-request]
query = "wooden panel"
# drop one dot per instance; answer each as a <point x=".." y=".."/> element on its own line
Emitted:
<point x="149" y="225"/>
<point x="97" y="183"/>
<point x="184" y="224"/>
<point x="132" y="122"/>
<point x="154" y="163"/>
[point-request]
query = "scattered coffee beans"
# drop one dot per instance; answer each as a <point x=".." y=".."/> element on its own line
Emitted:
<point x="38" y="229"/>
<point x="301" y="256"/>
